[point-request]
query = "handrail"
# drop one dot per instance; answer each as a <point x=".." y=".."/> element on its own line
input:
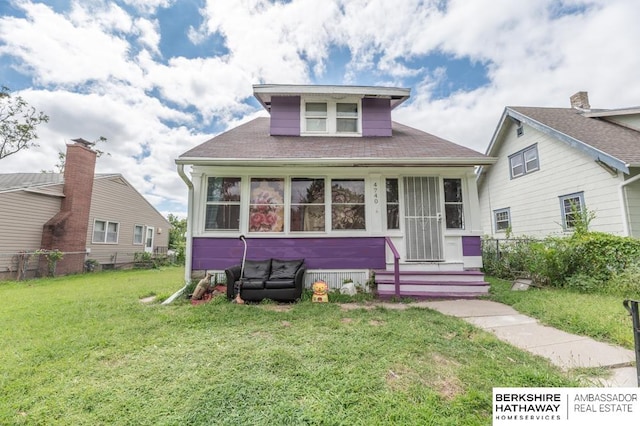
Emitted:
<point x="396" y="265"/>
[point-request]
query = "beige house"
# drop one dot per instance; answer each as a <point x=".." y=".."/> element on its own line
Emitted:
<point x="100" y="217"/>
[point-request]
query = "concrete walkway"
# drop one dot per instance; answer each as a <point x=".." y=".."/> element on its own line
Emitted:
<point x="563" y="349"/>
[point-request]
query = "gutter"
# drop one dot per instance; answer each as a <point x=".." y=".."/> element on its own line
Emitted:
<point x="188" y="249"/>
<point x="623" y="204"/>
<point x="336" y="162"/>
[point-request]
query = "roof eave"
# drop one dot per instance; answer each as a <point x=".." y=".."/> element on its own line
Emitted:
<point x="263" y="92"/>
<point x="338" y="162"/>
<point x="594" y="153"/>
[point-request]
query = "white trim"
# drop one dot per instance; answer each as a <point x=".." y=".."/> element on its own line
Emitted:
<point x="106" y="232"/>
<point x="331" y="116"/>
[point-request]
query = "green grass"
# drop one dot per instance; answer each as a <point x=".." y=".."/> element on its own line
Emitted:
<point x="83" y="350"/>
<point x="602" y="317"/>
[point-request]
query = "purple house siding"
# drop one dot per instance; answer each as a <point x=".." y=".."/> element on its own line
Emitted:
<point x="471" y="246"/>
<point x="285" y="116"/>
<point x="376" y="117"/>
<point x="319" y="253"/>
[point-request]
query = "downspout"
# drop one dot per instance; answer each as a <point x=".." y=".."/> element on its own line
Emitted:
<point x="188" y="249"/>
<point x="623" y="204"/>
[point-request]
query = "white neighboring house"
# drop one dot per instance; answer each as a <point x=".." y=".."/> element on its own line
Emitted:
<point x="552" y="158"/>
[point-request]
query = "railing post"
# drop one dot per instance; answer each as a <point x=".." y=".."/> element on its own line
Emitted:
<point x="396" y="266"/>
<point x="632" y="307"/>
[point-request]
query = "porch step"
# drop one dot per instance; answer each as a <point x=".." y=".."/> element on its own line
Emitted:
<point x="432" y="284"/>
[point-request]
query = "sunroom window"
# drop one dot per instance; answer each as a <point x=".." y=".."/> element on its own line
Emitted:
<point x="347" y="204"/>
<point x="454" y="216"/>
<point x="223" y="204"/>
<point x="266" y="205"/>
<point x="393" y="204"/>
<point x="307" y="205"/>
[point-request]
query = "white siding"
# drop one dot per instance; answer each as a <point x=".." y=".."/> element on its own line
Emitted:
<point x="632" y="192"/>
<point x="533" y="198"/>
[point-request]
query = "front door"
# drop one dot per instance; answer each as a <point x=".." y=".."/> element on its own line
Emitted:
<point x="148" y="240"/>
<point x="422" y="219"/>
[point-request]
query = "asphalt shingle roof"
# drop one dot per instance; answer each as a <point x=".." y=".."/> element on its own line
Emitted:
<point x="251" y="141"/>
<point x="612" y="139"/>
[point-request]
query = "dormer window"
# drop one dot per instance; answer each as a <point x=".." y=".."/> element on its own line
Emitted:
<point x="316" y="116"/>
<point x="331" y="118"/>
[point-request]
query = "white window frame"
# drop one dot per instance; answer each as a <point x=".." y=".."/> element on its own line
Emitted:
<point x="506" y="210"/>
<point x="579" y="196"/>
<point x="459" y="204"/>
<point x="105" y="240"/>
<point x="519" y="159"/>
<point x="222" y="204"/>
<point x="331" y="116"/>
<point x="135" y="242"/>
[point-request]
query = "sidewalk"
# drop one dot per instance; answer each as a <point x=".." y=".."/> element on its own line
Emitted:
<point x="564" y="350"/>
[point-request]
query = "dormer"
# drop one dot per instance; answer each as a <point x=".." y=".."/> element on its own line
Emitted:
<point x="337" y="111"/>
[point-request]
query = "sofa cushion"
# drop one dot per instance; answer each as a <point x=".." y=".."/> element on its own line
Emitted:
<point x="252" y="284"/>
<point x="280" y="284"/>
<point x="257" y="269"/>
<point x="284" y="269"/>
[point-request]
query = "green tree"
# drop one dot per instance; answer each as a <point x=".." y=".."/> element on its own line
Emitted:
<point x="18" y="122"/>
<point x="177" y="236"/>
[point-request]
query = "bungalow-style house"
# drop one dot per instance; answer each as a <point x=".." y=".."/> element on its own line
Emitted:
<point x="553" y="162"/>
<point x="330" y="178"/>
<point x="86" y="216"/>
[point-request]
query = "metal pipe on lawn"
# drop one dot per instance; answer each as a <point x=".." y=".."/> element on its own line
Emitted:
<point x="238" y="299"/>
<point x="189" y="237"/>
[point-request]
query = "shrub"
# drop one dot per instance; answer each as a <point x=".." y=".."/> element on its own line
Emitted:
<point x="586" y="261"/>
<point x="584" y="283"/>
<point x="625" y="283"/>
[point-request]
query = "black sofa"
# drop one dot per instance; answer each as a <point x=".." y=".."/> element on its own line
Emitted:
<point x="275" y="279"/>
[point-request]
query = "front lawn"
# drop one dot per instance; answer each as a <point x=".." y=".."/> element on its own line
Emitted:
<point x="599" y="316"/>
<point x="84" y="350"/>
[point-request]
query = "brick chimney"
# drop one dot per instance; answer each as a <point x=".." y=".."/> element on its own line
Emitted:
<point x="67" y="230"/>
<point x="580" y="101"/>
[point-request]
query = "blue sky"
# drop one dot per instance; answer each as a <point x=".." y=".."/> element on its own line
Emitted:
<point x="157" y="77"/>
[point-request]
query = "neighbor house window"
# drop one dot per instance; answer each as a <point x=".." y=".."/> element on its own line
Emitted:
<point x="524" y="162"/>
<point x="502" y="219"/>
<point x="105" y="232"/>
<point x="138" y="232"/>
<point x="347" y="204"/>
<point x="454" y="215"/>
<point x="393" y="204"/>
<point x="307" y="204"/>
<point x="223" y="204"/>
<point x="330" y="117"/>
<point x="266" y="205"/>
<point x="570" y="206"/>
